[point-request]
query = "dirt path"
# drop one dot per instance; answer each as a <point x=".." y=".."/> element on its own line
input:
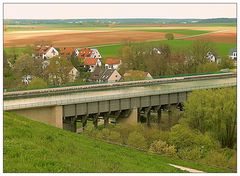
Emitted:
<point x="186" y="169"/>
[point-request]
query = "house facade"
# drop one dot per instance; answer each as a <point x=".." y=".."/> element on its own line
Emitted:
<point x="110" y="76"/>
<point x="92" y="63"/>
<point x="95" y="54"/>
<point x="73" y="74"/>
<point x="211" y="57"/>
<point x="233" y="54"/>
<point x="112" y="63"/>
<point x="46" y="52"/>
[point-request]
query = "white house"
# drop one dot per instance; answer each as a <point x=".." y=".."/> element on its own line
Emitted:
<point x="112" y="63"/>
<point x="26" y="79"/>
<point x="46" y="52"/>
<point x="233" y="54"/>
<point x="92" y="63"/>
<point x="95" y="54"/>
<point x="110" y="76"/>
<point x="73" y="74"/>
<point x="211" y="57"/>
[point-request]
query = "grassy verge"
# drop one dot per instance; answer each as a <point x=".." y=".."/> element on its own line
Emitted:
<point x="31" y="146"/>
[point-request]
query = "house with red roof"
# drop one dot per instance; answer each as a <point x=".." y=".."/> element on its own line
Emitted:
<point x="91" y="63"/>
<point x="112" y="63"/>
<point x="68" y="51"/>
<point x="89" y="53"/>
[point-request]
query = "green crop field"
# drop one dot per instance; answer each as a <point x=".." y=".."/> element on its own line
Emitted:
<point x="31" y="146"/>
<point x="178" y="31"/>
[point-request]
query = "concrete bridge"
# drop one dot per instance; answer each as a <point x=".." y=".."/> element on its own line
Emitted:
<point x="127" y="103"/>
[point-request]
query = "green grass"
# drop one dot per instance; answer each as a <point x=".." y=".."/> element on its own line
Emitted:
<point x="178" y="31"/>
<point x="31" y="146"/>
<point x="176" y="45"/>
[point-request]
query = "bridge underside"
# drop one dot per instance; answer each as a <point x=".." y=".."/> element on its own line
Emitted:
<point x="127" y="110"/>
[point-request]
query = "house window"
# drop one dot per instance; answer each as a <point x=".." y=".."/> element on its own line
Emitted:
<point x="116" y="76"/>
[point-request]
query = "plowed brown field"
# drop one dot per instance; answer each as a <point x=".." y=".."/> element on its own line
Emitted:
<point x="226" y="37"/>
<point x="76" y="38"/>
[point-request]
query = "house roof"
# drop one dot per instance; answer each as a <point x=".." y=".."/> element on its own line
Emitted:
<point x="42" y="49"/>
<point x="66" y="51"/>
<point x="112" y="61"/>
<point x="96" y="75"/>
<point x="85" y="52"/>
<point x="90" y="61"/>
<point x="106" y="74"/>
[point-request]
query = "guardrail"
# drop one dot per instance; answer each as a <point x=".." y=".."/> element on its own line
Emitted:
<point x="63" y="90"/>
<point x="112" y="97"/>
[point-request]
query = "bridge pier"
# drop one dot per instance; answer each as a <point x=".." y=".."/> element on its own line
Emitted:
<point x="147" y="113"/>
<point x="95" y="120"/>
<point x="159" y="115"/>
<point x="69" y="124"/>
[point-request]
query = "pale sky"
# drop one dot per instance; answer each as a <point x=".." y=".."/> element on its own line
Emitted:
<point x="74" y="11"/>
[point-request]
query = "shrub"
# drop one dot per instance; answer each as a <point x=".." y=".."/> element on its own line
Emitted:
<point x="103" y="134"/>
<point x="115" y="137"/>
<point x="161" y="147"/>
<point x="135" y="139"/>
<point x="233" y="161"/>
<point x="181" y="136"/>
<point x="37" y="83"/>
<point x="124" y="130"/>
<point x="169" y="36"/>
<point x="190" y="153"/>
<point x="215" y="158"/>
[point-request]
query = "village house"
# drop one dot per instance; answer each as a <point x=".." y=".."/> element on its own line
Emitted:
<point x="112" y="63"/>
<point x="46" y="52"/>
<point x="26" y="79"/>
<point x="91" y="64"/>
<point x="84" y="53"/>
<point x="110" y="76"/>
<point x="95" y="54"/>
<point x="106" y="75"/>
<point x="89" y="53"/>
<point x="211" y="57"/>
<point x="73" y="74"/>
<point x="67" y="51"/>
<point x="233" y="54"/>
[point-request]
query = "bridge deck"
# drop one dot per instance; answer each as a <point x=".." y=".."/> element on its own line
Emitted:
<point x="117" y="93"/>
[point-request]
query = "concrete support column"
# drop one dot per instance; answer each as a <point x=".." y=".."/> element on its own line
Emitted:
<point x="169" y="116"/>
<point x="84" y="121"/>
<point x="148" y="114"/>
<point x="69" y="124"/>
<point x="106" y="121"/>
<point x="95" y="120"/>
<point x="159" y="112"/>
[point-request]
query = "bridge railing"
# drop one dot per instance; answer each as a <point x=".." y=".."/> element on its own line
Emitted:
<point x="112" y="97"/>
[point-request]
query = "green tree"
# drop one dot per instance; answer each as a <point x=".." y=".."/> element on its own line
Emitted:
<point x="58" y="70"/>
<point x="226" y="63"/>
<point x="210" y="111"/>
<point x="24" y="65"/>
<point x="169" y="36"/>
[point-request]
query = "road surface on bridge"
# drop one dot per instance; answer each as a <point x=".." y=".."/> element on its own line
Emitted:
<point x="97" y="95"/>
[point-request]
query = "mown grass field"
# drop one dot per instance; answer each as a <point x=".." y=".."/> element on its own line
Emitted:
<point x="31" y="146"/>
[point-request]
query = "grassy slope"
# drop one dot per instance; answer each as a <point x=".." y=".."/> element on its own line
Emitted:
<point x="31" y="146"/>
